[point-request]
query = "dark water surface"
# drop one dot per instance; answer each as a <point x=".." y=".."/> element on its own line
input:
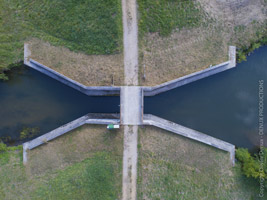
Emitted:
<point x="31" y="99"/>
<point x="224" y="105"/>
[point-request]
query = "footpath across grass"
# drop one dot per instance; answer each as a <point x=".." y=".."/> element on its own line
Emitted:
<point x="92" y="27"/>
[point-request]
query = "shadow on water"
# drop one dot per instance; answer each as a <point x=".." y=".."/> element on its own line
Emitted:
<point x="30" y="99"/>
<point x="224" y="105"/>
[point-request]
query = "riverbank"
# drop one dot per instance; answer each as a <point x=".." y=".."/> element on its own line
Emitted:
<point x="85" y="162"/>
<point x="89" y="70"/>
<point x="164" y="168"/>
<point x="172" y="45"/>
<point x="171" y="166"/>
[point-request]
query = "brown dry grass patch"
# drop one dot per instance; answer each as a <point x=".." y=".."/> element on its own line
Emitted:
<point x="89" y="70"/>
<point x="228" y="22"/>
<point x="174" y="148"/>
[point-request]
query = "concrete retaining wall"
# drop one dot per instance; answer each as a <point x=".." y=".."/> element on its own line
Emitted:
<point x="190" y="133"/>
<point x="89" y="90"/>
<point x="151" y="91"/>
<point x="87" y="119"/>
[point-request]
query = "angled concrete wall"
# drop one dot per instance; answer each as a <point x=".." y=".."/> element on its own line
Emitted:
<point x="87" y="119"/>
<point x="88" y="90"/>
<point x="151" y="91"/>
<point x="190" y="133"/>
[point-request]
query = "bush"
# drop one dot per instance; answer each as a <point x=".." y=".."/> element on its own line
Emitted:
<point x="3" y="147"/>
<point x="3" y="77"/>
<point x="29" y="132"/>
<point x="253" y="166"/>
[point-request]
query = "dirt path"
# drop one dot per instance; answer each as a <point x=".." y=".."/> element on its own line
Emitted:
<point x="130" y="42"/>
<point x="130" y="162"/>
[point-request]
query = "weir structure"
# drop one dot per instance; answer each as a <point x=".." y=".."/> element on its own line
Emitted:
<point x="131" y="115"/>
<point x="131" y="103"/>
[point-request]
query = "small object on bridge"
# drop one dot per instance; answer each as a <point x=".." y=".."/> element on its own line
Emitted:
<point x="112" y="126"/>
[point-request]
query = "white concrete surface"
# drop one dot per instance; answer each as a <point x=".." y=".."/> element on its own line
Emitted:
<point x="131" y="105"/>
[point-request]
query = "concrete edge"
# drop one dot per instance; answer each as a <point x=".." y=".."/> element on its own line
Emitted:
<point x="190" y="133"/>
<point x="115" y="90"/>
<point x="154" y="90"/>
<point x="88" y="90"/>
<point x="87" y="119"/>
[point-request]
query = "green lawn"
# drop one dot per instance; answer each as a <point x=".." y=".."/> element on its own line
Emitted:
<point x="86" y="164"/>
<point x="92" y="26"/>
<point x="91" y="179"/>
<point x="94" y="178"/>
<point x="172" y="167"/>
<point x="165" y="15"/>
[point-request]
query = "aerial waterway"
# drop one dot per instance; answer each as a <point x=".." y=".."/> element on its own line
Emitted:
<point x="224" y="105"/>
<point x="31" y="100"/>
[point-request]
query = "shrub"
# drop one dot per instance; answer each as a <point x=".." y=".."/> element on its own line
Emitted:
<point x="3" y="147"/>
<point x="29" y="132"/>
<point x="253" y="166"/>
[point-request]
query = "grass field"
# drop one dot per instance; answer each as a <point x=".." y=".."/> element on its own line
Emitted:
<point x="93" y="26"/>
<point x="83" y="164"/>
<point x="174" y="167"/>
<point x="164" y="16"/>
<point x="181" y="37"/>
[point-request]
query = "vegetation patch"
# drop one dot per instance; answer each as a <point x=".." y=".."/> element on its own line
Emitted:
<point x="253" y="166"/>
<point x="164" y="16"/>
<point x="90" y="70"/>
<point x="93" y="178"/>
<point x="182" y="37"/>
<point x="92" y="26"/>
<point x="174" y="167"/>
<point x="85" y="163"/>
<point x="28" y="132"/>
<point x="244" y="51"/>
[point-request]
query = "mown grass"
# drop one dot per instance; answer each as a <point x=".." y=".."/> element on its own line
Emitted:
<point x="83" y="164"/>
<point x="163" y="16"/>
<point x="173" y="167"/>
<point x="93" y="26"/>
<point x="91" y="179"/>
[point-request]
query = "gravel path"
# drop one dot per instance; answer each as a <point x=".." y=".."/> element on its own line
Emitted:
<point x="130" y="42"/>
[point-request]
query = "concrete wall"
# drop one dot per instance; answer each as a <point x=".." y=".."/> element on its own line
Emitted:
<point x="190" y="133"/>
<point x="89" y="90"/>
<point x="87" y="119"/>
<point x="151" y="91"/>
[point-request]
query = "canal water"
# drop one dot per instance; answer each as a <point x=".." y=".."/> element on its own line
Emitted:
<point x="33" y="100"/>
<point x="224" y="106"/>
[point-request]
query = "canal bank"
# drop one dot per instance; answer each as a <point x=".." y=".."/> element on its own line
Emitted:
<point x="129" y="98"/>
